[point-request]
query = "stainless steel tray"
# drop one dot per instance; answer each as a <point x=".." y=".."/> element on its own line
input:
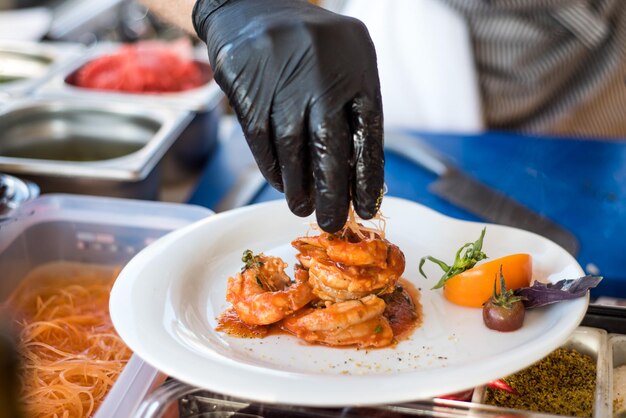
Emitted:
<point x="27" y="65"/>
<point x="617" y="358"/>
<point x="592" y="342"/>
<point x="88" y="146"/>
<point x="202" y="99"/>
<point x="193" y="402"/>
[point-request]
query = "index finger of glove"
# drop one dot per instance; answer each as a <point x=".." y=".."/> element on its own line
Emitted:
<point x="331" y="149"/>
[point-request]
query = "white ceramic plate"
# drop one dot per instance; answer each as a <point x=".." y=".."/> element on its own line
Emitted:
<point x="165" y="303"/>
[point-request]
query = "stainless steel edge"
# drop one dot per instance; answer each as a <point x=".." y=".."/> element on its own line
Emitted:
<point x="154" y="151"/>
<point x="132" y="167"/>
<point x="61" y="55"/>
<point x="157" y="401"/>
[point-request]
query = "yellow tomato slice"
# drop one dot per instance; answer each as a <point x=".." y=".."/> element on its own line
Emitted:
<point x="474" y="287"/>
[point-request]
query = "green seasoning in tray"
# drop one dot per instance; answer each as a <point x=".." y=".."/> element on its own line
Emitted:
<point x="562" y="383"/>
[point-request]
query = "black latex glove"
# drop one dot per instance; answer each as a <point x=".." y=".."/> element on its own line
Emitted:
<point x="304" y="84"/>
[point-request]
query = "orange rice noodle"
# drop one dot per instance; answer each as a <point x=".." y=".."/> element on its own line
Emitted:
<point x="71" y="355"/>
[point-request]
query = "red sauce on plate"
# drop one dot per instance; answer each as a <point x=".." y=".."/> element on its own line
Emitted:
<point x="230" y="323"/>
<point x="403" y="311"/>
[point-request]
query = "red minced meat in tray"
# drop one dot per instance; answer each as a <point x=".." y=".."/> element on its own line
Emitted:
<point x="144" y="67"/>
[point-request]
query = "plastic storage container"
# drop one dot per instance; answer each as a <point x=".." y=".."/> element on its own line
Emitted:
<point x="84" y="229"/>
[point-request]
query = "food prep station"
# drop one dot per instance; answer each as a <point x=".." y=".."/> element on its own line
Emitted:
<point x="125" y="169"/>
<point x="158" y="138"/>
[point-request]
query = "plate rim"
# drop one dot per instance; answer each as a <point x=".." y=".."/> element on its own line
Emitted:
<point x="120" y="295"/>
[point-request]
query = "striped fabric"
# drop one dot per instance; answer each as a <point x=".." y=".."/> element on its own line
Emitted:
<point x="551" y="66"/>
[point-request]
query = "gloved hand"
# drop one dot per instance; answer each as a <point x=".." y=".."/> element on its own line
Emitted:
<point x="303" y="82"/>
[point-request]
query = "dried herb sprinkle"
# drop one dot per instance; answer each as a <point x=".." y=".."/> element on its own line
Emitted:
<point x="563" y="383"/>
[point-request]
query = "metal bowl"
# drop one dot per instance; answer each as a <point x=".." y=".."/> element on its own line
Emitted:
<point x="88" y="147"/>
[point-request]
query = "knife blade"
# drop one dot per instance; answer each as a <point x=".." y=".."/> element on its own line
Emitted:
<point x="468" y="193"/>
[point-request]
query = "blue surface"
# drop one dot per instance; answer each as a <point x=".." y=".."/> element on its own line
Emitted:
<point x="580" y="184"/>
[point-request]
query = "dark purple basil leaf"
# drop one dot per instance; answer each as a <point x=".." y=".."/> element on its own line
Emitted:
<point x="541" y="294"/>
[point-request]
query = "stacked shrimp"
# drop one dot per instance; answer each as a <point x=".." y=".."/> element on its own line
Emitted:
<point x="334" y="299"/>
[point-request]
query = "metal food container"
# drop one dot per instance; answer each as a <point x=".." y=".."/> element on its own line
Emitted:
<point x="617" y="358"/>
<point x="594" y="343"/>
<point x="15" y="192"/>
<point x="24" y="66"/>
<point x="88" y="146"/>
<point x="195" y="144"/>
<point x="199" y="99"/>
<point x="191" y="402"/>
<point x="90" y="230"/>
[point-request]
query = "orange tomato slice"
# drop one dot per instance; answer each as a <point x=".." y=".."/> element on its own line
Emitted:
<point x="474" y="287"/>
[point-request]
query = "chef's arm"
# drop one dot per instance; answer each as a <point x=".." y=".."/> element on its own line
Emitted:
<point x="177" y="12"/>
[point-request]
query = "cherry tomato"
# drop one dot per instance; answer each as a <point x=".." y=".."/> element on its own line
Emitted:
<point x="503" y="318"/>
<point x="474" y="287"/>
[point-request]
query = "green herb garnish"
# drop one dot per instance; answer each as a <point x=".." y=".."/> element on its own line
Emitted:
<point x="250" y="260"/>
<point x="464" y="260"/>
<point x="378" y="329"/>
<point x="505" y="298"/>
